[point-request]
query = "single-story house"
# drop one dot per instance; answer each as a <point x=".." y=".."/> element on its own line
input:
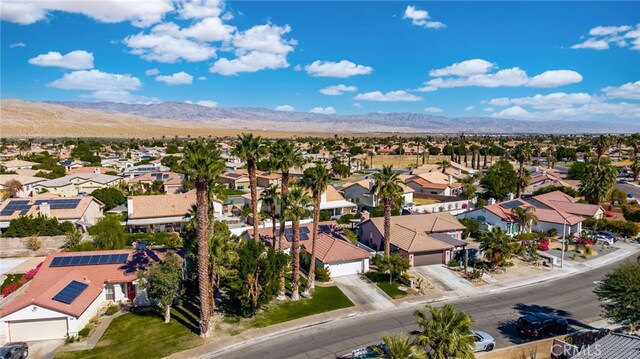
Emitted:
<point x="28" y="183"/>
<point x="13" y="165"/>
<point x="83" y="211"/>
<point x="69" y="289"/>
<point x="238" y="179"/>
<point x="421" y="185"/>
<point x="563" y="202"/>
<point x="334" y="250"/>
<point x="80" y="183"/>
<point x="267" y="179"/>
<point x="411" y="232"/>
<point x="164" y="212"/>
<point x="171" y="181"/>
<point x="360" y="193"/>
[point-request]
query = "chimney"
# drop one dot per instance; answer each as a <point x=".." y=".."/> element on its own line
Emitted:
<point x="323" y="197"/>
<point x="450" y="178"/>
<point x="97" y="170"/>
<point x="364" y="216"/>
<point x="45" y="209"/>
<point x="129" y="206"/>
<point x="492" y="200"/>
<point x="511" y="196"/>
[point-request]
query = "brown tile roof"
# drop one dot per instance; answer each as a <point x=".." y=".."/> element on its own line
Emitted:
<point x="425" y="223"/>
<point x="51" y="280"/>
<point x="366" y="183"/>
<point x="162" y="205"/>
<point x="543" y="215"/>
<point x="426" y="184"/>
<point x="332" y="244"/>
<point x="70" y="213"/>
<point x="333" y="194"/>
<point x="565" y="203"/>
<point x="169" y="178"/>
<point x="413" y="241"/>
<point x="102" y="170"/>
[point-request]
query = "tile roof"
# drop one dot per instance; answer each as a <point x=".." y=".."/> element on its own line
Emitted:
<point x="412" y="240"/>
<point x="89" y="169"/>
<point x="18" y="163"/>
<point x="612" y="346"/>
<point x="367" y="183"/>
<point x="332" y="244"/>
<point x="426" y="223"/>
<point x="34" y="210"/>
<point x="51" y="280"/>
<point x="161" y="205"/>
<point x="543" y="214"/>
<point x="565" y="203"/>
<point x="21" y="178"/>
<point x="426" y="184"/>
<point x="168" y="178"/>
<point x="94" y="177"/>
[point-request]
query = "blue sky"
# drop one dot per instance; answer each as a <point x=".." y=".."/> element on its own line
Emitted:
<point x="524" y="60"/>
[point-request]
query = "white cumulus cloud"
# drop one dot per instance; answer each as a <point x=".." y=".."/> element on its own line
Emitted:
<point x="340" y="69"/>
<point x="337" y="90"/>
<point x="601" y="38"/>
<point x="96" y="80"/>
<point x="325" y="111"/>
<point x="178" y="78"/>
<point x="205" y="103"/>
<point x="433" y="109"/>
<point x="469" y="108"/>
<point x="284" y="108"/>
<point x="555" y="78"/>
<point x="464" y="68"/>
<point x="74" y="60"/>
<point x="152" y="72"/>
<point x="421" y="18"/>
<point x="392" y="96"/>
<point x="553" y="100"/>
<point x="17" y="44"/>
<point x="630" y="90"/>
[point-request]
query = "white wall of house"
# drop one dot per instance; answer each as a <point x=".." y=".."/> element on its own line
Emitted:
<point x="486" y="217"/>
<point x="360" y="196"/>
<point x="339" y="269"/>
<point x="546" y="226"/>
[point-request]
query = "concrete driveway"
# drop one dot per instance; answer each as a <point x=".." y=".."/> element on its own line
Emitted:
<point x="446" y="279"/>
<point x="44" y="349"/>
<point x="7" y="264"/>
<point x="361" y="292"/>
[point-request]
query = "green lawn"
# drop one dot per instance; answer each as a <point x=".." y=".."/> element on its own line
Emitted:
<point x="144" y="335"/>
<point x="382" y="281"/>
<point x="232" y="192"/>
<point x="324" y="299"/>
<point x="10" y="279"/>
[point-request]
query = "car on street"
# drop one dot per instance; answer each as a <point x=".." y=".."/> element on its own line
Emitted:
<point x="16" y="350"/>
<point x="610" y="235"/>
<point x="484" y="342"/>
<point x="604" y="239"/>
<point x="542" y="325"/>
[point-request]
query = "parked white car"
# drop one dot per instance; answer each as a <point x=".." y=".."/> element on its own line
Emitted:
<point x="484" y="342"/>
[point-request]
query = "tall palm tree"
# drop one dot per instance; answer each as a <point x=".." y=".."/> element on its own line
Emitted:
<point x="284" y="156"/>
<point x="635" y="168"/>
<point x="522" y="154"/>
<point x="297" y="206"/>
<point x="446" y="332"/>
<point x="250" y="149"/>
<point x="223" y="255"/>
<point x="601" y="146"/>
<point x="445" y="165"/>
<point x="525" y="217"/>
<point x="316" y="180"/>
<point x="201" y="163"/>
<point x="399" y="347"/>
<point x="387" y="188"/>
<point x="270" y="198"/>
<point x="551" y="156"/>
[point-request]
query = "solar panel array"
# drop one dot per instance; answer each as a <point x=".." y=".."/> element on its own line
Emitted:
<point x="69" y="293"/>
<point x="160" y="176"/>
<point x="511" y="204"/>
<point x="20" y="205"/>
<point x="304" y="234"/>
<point x="88" y="260"/>
<point x="234" y="175"/>
<point x="59" y="203"/>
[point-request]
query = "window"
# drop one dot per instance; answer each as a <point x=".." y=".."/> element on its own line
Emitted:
<point x="110" y="292"/>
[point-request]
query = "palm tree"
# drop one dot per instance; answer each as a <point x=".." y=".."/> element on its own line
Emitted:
<point x="270" y="198"/>
<point x="387" y="188"/>
<point x="223" y="255"/>
<point x="635" y="168"/>
<point x="446" y="332"/>
<point x="601" y="146"/>
<point x="284" y="156"/>
<point x="551" y="156"/>
<point x="201" y="163"/>
<point x="598" y="181"/>
<point x="525" y="217"/>
<point x="316" y="180"/>
<point x="444" y="165"/>
<point x="522" y="154"/>
<point x="496" y="246"/>
<point x="371" y="154"/>
<point x="251" y="150"/>
<point x="297" y="204"/>
<point x="399" y="347"/>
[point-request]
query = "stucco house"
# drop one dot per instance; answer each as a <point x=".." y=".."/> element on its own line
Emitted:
<point x="80" y="183"/>
<point x="238" y="179"/>
<point x="69" y="289"/>
<point x="360" y="194"/>
<point x="82" y="211"/>
<point x="171" y="181"/>
<point x="423" y="239"/>
<point x="28" y="183"/>
<point x="334" y="250"/>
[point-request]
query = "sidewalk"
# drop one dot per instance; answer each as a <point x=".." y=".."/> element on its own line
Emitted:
<point x="363" y="293"/>
<point x="94" y="338"/>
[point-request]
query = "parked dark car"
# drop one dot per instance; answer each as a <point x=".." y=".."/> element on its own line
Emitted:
<point x="14" y="351"/>
<point x="542" y="325"/>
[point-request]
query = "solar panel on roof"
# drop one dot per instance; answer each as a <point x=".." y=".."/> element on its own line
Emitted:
<point x="65" y="261"/>
<point x="55" y="262"/>
<point x="75" y="261"/>
<point x="98" y="259"/>
<point x="511" y="204"/>
<point x="94" y="260"/>
<point x="103" y="260"/>
<point x="72" y="291"/>
<point x="84" y="260"/>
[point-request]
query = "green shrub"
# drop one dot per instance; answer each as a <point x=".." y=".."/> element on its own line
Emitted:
<point x="109" y="196"/>
<point x="165" y="239"/>
<point x="552" y="232"/>
<point x="353" y="237"/>
<point x="472" y="227"/>
<point x="83" y="247"/>
<point x="111" y="310"/>
<point x="453" y="263"/>
<point x="323" y="274"/>
<point x="84" y="332"/>
<point x="26" y="226"/>
<point x="34" y="243"/>
<point x="325" y="216"/>
<point x="68" y="339"/>
<point x="626" y="229"/>
<point x="632" y="216"/>
<point x="346" y="218"/>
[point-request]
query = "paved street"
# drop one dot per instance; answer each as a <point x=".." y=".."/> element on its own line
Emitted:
<point x="571" y="296"/>
<point x="635" y="190"/>
<point x="363" y="293"/>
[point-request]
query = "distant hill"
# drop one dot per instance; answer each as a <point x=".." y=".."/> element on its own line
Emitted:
<point x="371" y="122"/>
<point x="107" y="119"/>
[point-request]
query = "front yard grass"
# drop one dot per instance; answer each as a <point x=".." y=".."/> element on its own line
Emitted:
<point x="382" y="281"/>
<point x="144" y="335"/>
<point x="324" y="299"/>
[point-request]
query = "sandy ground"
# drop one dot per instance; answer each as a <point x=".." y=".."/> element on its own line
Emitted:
<point x="521" y="269"/>
<point x="428" y="288"/>
<point x="403" y="161"/>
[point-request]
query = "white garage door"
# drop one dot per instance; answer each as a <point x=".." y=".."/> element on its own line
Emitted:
<point x="345" y="268"/>
<point x="41" y="329"/>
